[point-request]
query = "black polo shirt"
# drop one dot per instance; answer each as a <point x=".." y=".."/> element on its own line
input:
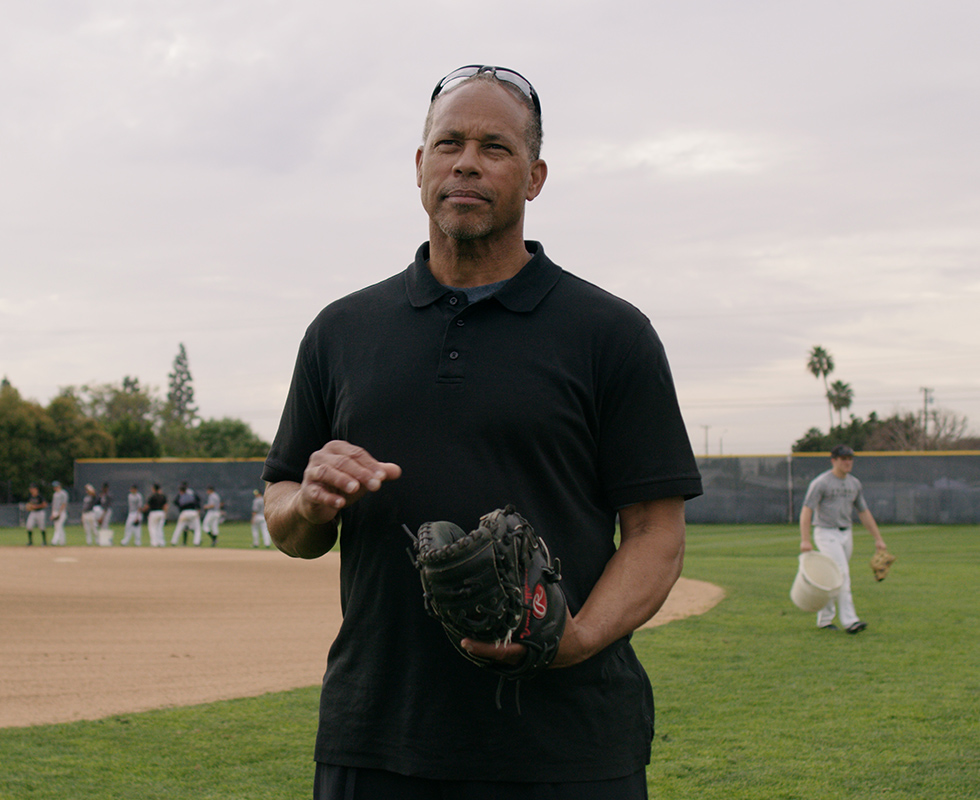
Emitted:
<point x="553" y="395"/>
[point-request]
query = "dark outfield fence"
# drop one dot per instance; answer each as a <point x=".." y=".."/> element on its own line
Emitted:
<point x="901" y="488"/>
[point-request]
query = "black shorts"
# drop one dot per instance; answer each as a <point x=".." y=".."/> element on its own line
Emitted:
<point x="351" y="783"/>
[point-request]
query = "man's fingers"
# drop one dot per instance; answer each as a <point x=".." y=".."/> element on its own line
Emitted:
<point x="340" y="474"/>
<point x="349" y="468"/>
<point x="508" y="653"/>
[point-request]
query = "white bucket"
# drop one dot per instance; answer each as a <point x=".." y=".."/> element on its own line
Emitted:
<point x="817" y="581"/>
<point x="105" y="537"/>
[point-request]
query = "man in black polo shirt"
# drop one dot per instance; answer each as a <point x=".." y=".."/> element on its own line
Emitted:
<point x="482" y="375"/>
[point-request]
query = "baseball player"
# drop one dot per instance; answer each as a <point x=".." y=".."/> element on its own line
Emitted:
<point x="35" y="506"/>
<point x="259" y="526"/>
<point x="825" y="521"/>
<point x="105" y="516"/>
<point x="134" y="517"/>
<point x="59" y="513"/>
<point x="189" y="505"/>
<point x="91" y="512"/>
<point x="212" y="515"/>
<point x="156" y="515"/>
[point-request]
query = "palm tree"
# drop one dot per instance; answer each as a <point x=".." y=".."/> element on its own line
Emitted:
<point x="840" y="396"/>
<point x="821" y="364"/>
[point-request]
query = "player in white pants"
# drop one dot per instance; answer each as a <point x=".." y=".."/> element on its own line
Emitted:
<point x="90" y="517"/>
<point x="35" y="515"/>
<point x="259" y="526"/>
<point x="59" y="513"/>
<point x="190" y="517"/>
<point x="134" y="517"/>
<point x="156" y="516"/>
<point x="212" y="515"/>
<point x="105" y="516"/>
<point x="830" y="500"/>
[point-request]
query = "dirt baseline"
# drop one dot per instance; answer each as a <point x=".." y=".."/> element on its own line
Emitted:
<point x="90" y="632"/>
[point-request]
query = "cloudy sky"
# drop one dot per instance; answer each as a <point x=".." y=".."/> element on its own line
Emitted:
<point x="757" y="177"/>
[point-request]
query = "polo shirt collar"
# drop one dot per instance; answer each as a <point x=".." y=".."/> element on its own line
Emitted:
<point x="522" y="293"/>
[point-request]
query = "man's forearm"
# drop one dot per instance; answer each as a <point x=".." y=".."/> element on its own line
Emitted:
<point x="806" y="525"/>
<point x="868" y="520"/>
<point x="635" y="582"/>
<point x="292" y="533"/>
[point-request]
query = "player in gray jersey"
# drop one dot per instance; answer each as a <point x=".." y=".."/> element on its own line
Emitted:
<point x="90" y="516"/>
<point x="259" y="527"/>
<point x="212" y="516"/>
<point x="825" y="521"/>
<point x="134" y="517"/>
<point x="59" y="513"/>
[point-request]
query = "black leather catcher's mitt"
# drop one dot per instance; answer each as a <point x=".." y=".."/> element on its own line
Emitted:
<point x="495" y="584"/>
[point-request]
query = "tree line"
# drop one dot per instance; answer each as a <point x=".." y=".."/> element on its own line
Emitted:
<point x="940" y="429"/>
<point x="39" y="444"/>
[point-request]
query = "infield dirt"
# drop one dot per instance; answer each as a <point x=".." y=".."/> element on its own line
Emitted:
<point x="90" y="632"/>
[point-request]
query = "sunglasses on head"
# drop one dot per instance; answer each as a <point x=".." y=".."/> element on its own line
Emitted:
<point x="500" y="73"/>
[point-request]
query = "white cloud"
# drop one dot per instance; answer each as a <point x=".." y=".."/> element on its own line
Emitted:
<point x="685" y="154"/>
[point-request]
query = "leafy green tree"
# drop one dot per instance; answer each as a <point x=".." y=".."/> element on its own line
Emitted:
<point x="77" y="436"/>
<point x="821" y="364"/>
<point x="179" y="413"/>
<point x="228" y="438"/>
<point x="38" y="445"/>
<point x="899" y="432"/>
<point x="21" y="457"/>
<point x="840" y="396"/>
<point x="127" y="411"/>
<point x="857" y="433"/>
<point x="177" y="441"/>
<point x="135" y="438"/>
<point x="180" y="406"/>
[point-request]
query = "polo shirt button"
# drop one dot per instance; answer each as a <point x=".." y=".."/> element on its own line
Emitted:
<point x="454" y="355"/>
<point x="459" y="323"/>
<point x="453" y="301"/>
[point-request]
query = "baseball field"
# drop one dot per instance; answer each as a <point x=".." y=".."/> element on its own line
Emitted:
<point x="191" y="672"/>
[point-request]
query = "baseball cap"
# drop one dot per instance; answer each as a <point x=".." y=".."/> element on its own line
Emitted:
<point x="842" y="451"/>
<point x="56" y="483"/>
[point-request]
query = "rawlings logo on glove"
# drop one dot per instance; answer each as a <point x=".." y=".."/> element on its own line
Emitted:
<point x="496" y="584"/>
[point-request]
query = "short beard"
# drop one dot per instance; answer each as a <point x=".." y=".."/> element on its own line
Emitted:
<point x="462" y="229"/>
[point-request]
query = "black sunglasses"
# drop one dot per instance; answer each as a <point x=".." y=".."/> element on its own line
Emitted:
<point x="500" y="73"/>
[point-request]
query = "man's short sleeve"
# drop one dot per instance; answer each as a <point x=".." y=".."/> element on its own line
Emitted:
<point x="645" y="453"/>
<point x="305" y="423"/>
<point x="813" y="495"/>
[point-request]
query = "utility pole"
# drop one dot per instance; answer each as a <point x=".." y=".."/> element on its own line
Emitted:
<point x="706" y="428"/>
<point x="926" y="400"/>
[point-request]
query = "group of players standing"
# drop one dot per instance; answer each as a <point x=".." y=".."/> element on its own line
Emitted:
<point x="97" y="516"/>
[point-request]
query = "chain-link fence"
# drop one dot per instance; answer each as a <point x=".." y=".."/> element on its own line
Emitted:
<point x="901" y="488"/>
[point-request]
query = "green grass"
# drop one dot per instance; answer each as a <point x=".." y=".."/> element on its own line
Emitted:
<point x="256" y="749"/>
<point x="753" y="702"/>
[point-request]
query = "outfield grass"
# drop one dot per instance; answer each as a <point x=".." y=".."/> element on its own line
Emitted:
<point x="753" y="702"/>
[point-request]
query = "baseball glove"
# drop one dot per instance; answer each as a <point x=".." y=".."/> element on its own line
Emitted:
<point x="495" y="584"/>
<point x="881" y="563"/>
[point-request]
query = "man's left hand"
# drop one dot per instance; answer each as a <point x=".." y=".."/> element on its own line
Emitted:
<point x="571" y="649"/>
